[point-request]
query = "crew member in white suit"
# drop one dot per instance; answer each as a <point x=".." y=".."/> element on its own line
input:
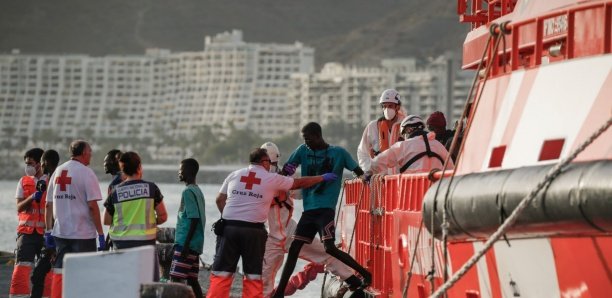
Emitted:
<point x="280" y="225"/>
<point x="420" y="152"/>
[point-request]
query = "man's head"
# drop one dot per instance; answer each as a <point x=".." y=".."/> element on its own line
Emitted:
<point x="49" y="161"/>
<point x="259" y="156"/>
<point x="390" y="103"/>
<point x="80" y="150"/>
<point x="436" y="122"/>
<point x="32" y="161"/>
<point x="188" y="170"/>
<point x="410" y="124"/>
<point x="313" y="136"/>
<point x="111" y="162"/>
<point x="130" y="165"/>
<point x="273" y="154"/>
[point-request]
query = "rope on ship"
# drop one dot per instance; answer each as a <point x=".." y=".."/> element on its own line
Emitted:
<point x="550" y="176"/>
<point x="495" y="31"/>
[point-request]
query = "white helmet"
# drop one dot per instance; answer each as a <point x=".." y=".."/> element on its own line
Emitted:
<point x="412" y="120"/>
<point x="390" y="95"/>
<point x="272" y="149"/>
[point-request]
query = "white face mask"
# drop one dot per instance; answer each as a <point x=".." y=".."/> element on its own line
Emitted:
<point x="273" y="169"/>
<point x="30" y="170"/>
<point x="389" y="113"/>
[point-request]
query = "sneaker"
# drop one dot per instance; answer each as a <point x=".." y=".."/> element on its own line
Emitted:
<point x="367" y="280"/>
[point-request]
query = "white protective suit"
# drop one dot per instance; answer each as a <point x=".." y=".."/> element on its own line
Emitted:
<point x="281" y="227"/>
<point x="370" y="142"/>
<point x="401" y="152"/>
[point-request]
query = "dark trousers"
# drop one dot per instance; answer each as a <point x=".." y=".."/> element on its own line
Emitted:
<point x="29" y="247"/>
<point x="241" y="241"/>
<point x="64" y="246"/>
<point x="123" y="244"/>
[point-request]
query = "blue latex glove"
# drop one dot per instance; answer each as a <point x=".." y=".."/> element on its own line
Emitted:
<point x="329" y="177"/>
<point x="367" y="176"/>
<point x="289" y="169"/>
<point x="49" y="240"/>
<point x="101" y="242"/>
<point x="37" y="196"/>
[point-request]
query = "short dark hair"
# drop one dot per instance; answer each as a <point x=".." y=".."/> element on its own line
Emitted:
<point x="257" y="155"/>
<point x="34" y="153"/>
<point x="78" y="147"/>
<point x="114" y="153"/>
<point x="52" y="157"/>
<point x="313" y="128"/>
<point x="191" y="166"/>
<point x="129" y="163"/>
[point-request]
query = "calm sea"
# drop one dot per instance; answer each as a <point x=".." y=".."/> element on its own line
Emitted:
<point x="171" y="192"/>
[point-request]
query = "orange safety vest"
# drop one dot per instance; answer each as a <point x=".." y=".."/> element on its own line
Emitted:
<point x="385" y="134"/>
<point x="34" y="217"/>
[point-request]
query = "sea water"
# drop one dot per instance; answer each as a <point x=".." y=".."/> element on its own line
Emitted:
<point x="171" y="193"/>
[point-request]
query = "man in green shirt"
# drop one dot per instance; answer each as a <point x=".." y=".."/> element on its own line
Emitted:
<point x="189" y="237"/>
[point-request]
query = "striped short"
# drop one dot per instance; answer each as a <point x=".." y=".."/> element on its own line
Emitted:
<point x="185" y="267"/>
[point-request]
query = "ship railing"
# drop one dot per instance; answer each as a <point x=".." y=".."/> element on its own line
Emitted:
<point x="576" y="31"/>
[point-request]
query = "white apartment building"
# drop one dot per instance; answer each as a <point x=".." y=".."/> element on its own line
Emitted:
<point x="229" y="83"/>
<point x="351" y="94"/>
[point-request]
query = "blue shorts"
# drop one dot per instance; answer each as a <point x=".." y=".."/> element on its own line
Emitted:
<point x="184" y="267"/>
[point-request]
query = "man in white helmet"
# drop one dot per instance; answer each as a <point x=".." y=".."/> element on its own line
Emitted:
<point x="420" y="152"/>
<point x="281" y="225"/>
<point x="379" y="135"/>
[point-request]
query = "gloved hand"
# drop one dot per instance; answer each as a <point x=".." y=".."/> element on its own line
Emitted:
<point x="49" y="240"/>
<point x="37" y="196"/>
<point x="41" y="185"/>
<point x="101" y="242"/>
<point x="289" y="169"/>
<point x="367" y="176"/>
<point x="329" y="177"/>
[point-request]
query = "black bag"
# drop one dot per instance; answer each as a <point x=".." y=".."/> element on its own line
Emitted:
<point x="218" y="227"/>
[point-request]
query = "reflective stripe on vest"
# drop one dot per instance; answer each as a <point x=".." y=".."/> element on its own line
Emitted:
<point x="134" y="220"/>
<point x="34" y="217"/>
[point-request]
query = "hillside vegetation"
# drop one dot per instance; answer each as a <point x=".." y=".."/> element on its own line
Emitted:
<point x="348" y="31"/>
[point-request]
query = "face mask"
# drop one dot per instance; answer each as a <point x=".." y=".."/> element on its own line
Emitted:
<point x="273" y="169"/>
<point x="30" y="170"/>
<point x="389" y="113"/>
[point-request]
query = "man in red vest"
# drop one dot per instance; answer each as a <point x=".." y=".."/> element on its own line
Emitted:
<point x="31" y="227"/>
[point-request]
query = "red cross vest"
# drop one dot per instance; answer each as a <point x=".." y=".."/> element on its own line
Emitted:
<point x="34" y="216"/>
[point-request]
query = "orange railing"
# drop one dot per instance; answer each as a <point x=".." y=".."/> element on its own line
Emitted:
<point x="376" y="246"/>
<point x="481" y="12"/>
<point x="576" y="31"/>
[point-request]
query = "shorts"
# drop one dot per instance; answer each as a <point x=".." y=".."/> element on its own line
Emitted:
<point x="184" y="267"/>
<point x="316" y="221"/>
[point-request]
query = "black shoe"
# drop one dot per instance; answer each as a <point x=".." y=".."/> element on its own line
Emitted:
<point x="367" y="280"/>
<point x="358" y="294"/>
<point x="353" y="282"/>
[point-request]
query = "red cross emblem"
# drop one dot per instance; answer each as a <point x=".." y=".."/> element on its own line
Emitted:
<point x="63" y="180"/>
<point x="250" y="180"/>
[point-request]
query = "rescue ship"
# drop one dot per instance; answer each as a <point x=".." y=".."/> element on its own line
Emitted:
<point x="527" y="211"/>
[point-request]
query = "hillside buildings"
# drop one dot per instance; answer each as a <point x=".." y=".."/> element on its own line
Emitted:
<point x="271" y="89"/>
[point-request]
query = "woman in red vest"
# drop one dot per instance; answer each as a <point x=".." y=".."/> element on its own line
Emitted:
<point x="31" y="227"/>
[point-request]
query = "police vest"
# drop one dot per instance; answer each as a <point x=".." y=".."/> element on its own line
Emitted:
<point x="34" y="217"/>
<point x="134" y="216"/>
